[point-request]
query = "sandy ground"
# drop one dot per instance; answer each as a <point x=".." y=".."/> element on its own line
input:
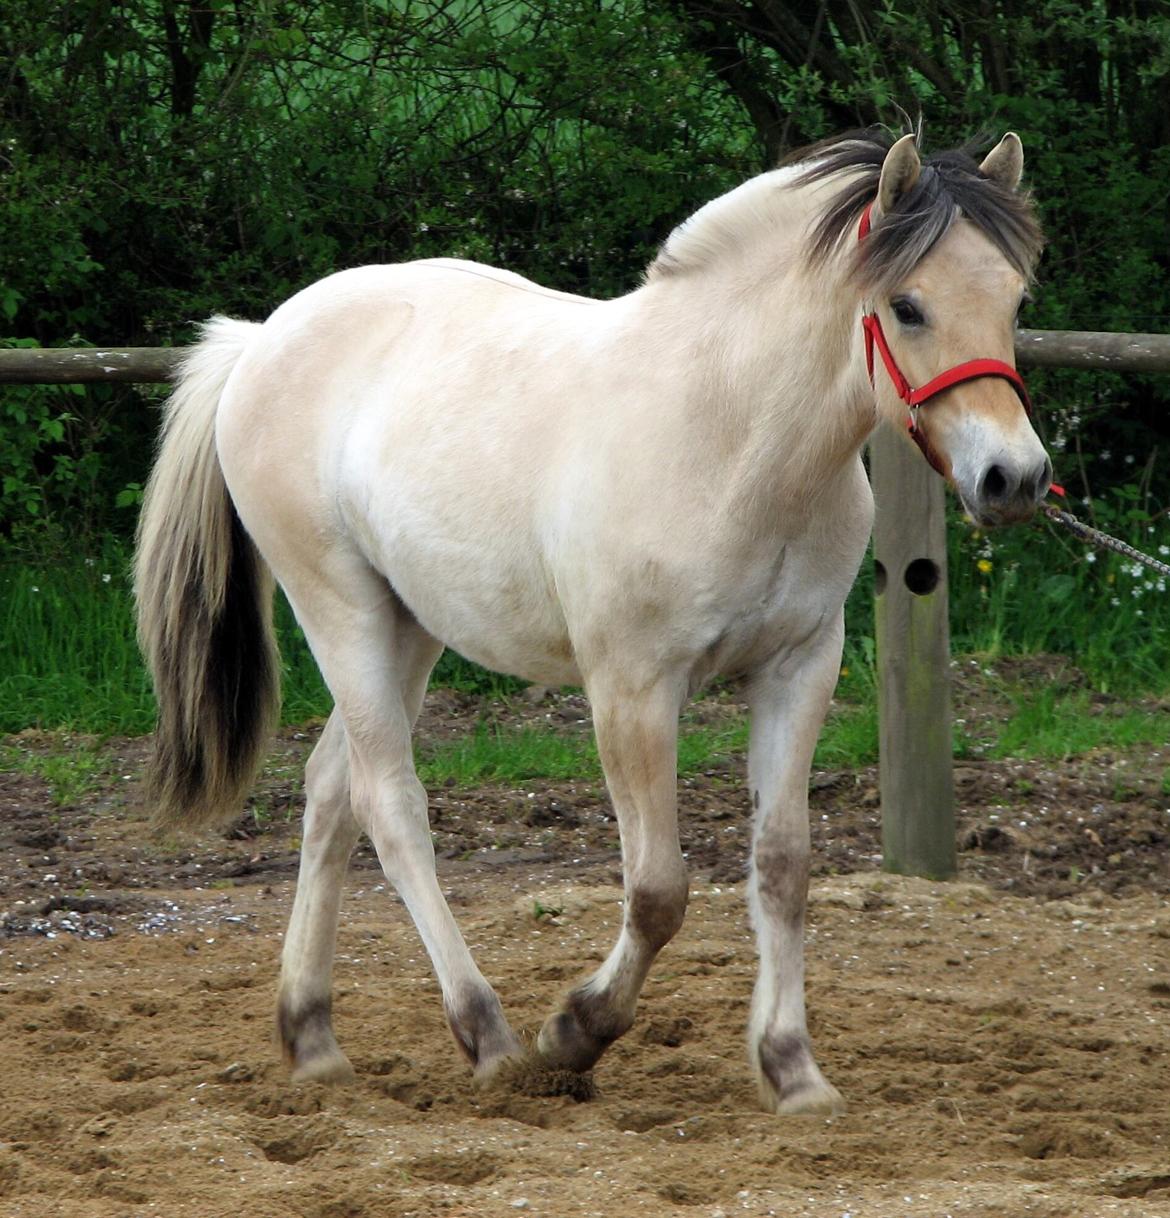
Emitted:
<point x="1001" y="1040"/>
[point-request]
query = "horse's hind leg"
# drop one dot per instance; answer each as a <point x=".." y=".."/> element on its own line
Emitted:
<point x="304" y="1021"/>
<point x="375" y="658"/>
<point x="637" y="736"/>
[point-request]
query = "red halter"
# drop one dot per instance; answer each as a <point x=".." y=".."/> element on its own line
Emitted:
<point x="969" y="371"/>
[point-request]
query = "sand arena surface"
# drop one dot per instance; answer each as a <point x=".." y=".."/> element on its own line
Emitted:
<point x="1001" y="1041"/>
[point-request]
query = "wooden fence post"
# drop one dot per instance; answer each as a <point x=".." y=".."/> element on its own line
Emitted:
<point x="913" y="657"/>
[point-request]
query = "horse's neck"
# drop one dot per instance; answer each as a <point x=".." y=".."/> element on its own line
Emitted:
<point x="776" y="365"/>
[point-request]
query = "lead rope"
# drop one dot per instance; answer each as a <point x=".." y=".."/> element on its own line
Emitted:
<point x="1103" y="541"/>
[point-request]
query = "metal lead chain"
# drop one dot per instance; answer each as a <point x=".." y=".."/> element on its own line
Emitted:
<point x="1096" y="538"/>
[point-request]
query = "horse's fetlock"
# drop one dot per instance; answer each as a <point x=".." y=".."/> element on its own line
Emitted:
<point x="305" y="1032"/>
<point x="478" y="1024"/>
<point x="597" y="1017"/>
<point x="564" y="1044"/>
<point x="790" y="1081"/>
<point x="577" y="1036"/>
<point x="300" y="1021"/>
<point x="784" y="1057"/>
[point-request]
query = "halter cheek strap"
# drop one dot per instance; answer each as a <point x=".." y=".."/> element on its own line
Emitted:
<point x="914" y="398"/>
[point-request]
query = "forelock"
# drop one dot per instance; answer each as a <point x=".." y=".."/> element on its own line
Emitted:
<point x="949" y="186"/>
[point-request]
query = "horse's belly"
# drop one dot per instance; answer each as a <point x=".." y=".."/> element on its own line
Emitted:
<point x="494" y="607"/>
<point x="524" y="644"/>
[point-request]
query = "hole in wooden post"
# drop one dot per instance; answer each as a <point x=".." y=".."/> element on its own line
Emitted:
<point x="879" y="578"/>
<point x="922" y="576"/>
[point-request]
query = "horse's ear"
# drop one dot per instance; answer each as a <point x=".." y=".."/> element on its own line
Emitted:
<point x="1005" y="162"/>
<point x="900" y="171"/>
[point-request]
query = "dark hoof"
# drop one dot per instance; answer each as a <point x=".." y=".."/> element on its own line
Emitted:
<point x="309" y="1046"/>
<point x="564" y="1044"/>
<point x="790" y="1082"/>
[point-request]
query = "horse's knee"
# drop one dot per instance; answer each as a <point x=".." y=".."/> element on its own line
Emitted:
<point x="779" y="874"/>
<point x="655" y="912"/>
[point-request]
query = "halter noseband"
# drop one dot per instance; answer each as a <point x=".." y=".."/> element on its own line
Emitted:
<point x="969" y="371"/>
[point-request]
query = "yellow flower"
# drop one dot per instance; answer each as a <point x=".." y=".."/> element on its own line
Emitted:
<point x="844" y="671"/>
<point x="984" y="565"/>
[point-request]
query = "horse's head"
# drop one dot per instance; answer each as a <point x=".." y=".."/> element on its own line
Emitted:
<point x="948" y="324"/>
<point x="943" y="255"/>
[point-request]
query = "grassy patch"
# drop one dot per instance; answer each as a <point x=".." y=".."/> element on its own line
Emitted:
<point x="68" y="658"/>
<point x="508" y="755"/>
<point x="69" y="769"/>
<point x="1023" y="591"/>
<point x="1051" y="724"/>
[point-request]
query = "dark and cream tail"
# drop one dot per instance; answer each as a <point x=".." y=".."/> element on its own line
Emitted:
<point x="204" y="599"/>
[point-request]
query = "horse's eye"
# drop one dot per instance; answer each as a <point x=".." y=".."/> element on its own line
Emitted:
<point x="906" y="312"/>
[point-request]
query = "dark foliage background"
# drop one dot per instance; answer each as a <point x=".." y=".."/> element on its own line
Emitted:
<point x="160" y="161"/>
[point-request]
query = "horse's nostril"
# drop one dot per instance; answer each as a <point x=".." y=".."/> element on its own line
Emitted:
<point x="995" y="483"/>
<point x="1043" y="480"/>
<point x="1034" y="484"/>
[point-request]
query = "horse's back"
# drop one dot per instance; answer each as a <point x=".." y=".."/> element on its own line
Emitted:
<point x="379" y="363"/>
<point x="419" y="416"/>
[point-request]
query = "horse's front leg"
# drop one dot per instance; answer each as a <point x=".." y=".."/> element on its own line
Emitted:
<point x="637" y="737"/>
<point x="789" y="699"/>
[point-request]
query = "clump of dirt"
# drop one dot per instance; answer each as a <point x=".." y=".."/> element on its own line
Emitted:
<point x="529" y="1076"/>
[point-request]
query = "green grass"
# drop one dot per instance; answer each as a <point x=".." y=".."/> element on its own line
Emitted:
<point x="1035" y="589"/>
<point x="68" y="659"/>
<point x="71" y="770"/>
<point x="509" y="755"/>
<point x="1048" y="724"/>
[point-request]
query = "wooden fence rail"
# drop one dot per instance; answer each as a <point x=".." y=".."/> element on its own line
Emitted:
<point x="1034" y="349"/>
<point x="80" y="365"/>
<point x="911" y="619"/>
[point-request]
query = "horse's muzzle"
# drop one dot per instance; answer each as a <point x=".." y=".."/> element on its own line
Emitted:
<point x="1007" y="493"/>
